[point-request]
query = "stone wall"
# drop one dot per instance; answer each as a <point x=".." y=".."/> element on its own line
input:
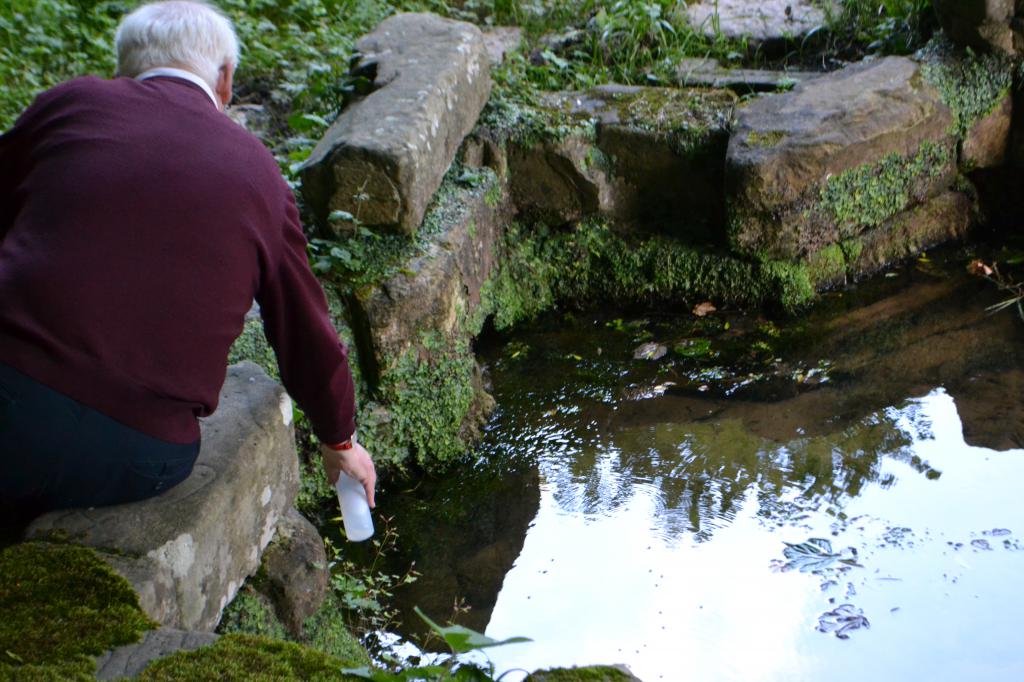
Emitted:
<point x="626" y="195"/>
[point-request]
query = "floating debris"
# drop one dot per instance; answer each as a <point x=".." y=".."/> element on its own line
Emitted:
<point x="816" y="556"/>
<point x="842" y="620"/>
<point x="650" y="351"/>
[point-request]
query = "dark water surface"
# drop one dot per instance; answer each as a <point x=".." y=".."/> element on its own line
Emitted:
<point x="835" y="497"/>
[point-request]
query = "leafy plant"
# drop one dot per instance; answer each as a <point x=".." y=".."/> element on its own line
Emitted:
<point x="365" y="590"/>
<point x="460" y="640"/>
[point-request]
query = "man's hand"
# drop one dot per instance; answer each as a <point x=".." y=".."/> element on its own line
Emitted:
<point x="355" y="462"/>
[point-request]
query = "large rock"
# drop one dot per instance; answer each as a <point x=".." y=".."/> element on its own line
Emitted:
<point x="186" y="552"/>
<point x="838" y="155"/>
<point x="295" y="567"/>
<point x="984" y="24"/>
<point x="764" y="23"/>
<point x="387" y="153"/>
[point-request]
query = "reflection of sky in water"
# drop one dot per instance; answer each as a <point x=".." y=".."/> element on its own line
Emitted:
<point x="636" y="582"/>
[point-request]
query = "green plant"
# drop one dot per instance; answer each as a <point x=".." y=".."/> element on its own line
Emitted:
<point x="460" y="640"/>
<point x="879" y="26"/>
<point x="363" y="590"/>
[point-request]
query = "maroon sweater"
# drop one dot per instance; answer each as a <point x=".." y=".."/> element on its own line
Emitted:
<point x="137" y="224"/>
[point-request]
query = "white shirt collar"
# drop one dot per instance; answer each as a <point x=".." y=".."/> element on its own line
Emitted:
<point x="179" y="73"/>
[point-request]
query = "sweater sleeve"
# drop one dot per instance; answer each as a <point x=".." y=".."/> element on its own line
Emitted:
<point x="313" y="362"/>
<point x="10" y="172"/>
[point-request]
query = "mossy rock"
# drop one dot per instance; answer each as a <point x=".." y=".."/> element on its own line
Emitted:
<point x="249" y="658"/>
<point x="250" y="613"/>
<point x="62" y="604"/>
<point x="591" y="673"/>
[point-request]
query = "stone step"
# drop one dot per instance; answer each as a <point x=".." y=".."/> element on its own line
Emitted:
<point x="186" y="552"/>
<point x="838" y="155"/>
<point x="708" y="73"/>
<point x="766" y="24"/>
<point x="387" y="153"/>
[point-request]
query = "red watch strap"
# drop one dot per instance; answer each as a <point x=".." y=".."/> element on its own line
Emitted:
<point x="346" y="445"/>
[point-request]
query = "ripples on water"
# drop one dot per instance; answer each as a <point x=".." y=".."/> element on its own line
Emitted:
<point x="839" y="529"/>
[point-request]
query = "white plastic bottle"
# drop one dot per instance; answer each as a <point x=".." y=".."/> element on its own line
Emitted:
<point x="355" y="510"/>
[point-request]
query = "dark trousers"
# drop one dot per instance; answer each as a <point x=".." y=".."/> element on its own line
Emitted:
<point x="56" y="453"/>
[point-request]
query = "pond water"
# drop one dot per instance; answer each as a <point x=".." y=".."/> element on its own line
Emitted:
<point x="835" y="497"/>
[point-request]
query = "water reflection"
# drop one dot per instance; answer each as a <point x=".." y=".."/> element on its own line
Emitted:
<point x="637" y="512"/>
<point x="684" y="581"/>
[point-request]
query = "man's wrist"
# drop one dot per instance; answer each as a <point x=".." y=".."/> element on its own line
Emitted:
<point x="344" y="445"/>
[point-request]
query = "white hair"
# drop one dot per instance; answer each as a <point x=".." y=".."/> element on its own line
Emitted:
<point x="187" y="34"/>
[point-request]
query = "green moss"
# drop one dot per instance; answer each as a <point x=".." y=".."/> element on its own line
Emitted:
<point x="593" y="673"/>
<point x="593" y="264"/>
<point x="971" y="85"/>
<point x="767" y="139"/>
<point x="61" y="603"/>
<point x="249" y="613"/>
<point x="429" y="390"/>
<point x="326" y="632"/>
<point x="827" y="265"/>
<point x="871" y="193"/>
<point x="249" y="658"/>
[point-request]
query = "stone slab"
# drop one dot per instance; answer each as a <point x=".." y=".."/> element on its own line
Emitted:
<point x="708" y="73"/>
<point x="131" y="659"/>
<point x="385" y="156"/>
<point x="438" y="290"/>
<point x="187" y="551"/>
<point x="762" y="22"/>
<point x="789" y="152"/>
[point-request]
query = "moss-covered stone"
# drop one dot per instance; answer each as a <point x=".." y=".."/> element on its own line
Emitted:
<point x="972" y="85"/>
<point x="591" y="673"/>
<point x="249" y="658"/>
<point x="593" y="264"/>
<point x="61" y="604"/>
<point x="428" y="390"/>
<point x="870" y="194"/>
<point x="251" y="613"/>
<point x="326" y="632"/>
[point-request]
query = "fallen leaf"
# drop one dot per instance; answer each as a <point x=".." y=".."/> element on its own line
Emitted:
<point x="705" y="308"/>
